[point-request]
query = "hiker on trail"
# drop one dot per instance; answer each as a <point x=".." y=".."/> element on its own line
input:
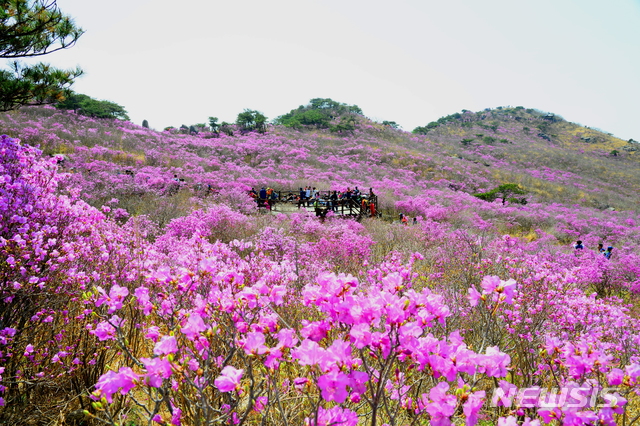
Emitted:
<point x="271" y="197"/>
<point x="607" y="253"/>
<point x="371" y="194"/>
<point x="415" y="221"/>
<point x="309" y="196"/>
<point x="320" y="212"/>
<point x="348" y="194"/>
<point x="403" y="219"/>
<point x="263" y="193"/>
<point x="372" y="209"/>
<point x="333" y="200"/>
<point x="253" y="194"/>
<point x="600" y="248"/>
<point x="174" y="186"/>
<point x="578" y="245"/>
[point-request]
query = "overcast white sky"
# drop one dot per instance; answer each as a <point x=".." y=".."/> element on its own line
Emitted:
<point x="410" y="61"/>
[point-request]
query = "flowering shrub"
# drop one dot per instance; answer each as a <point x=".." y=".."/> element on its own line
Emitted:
<point x="53" y="248"/>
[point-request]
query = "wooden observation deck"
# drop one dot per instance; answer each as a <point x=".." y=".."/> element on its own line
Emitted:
<point x="286" y="201"/>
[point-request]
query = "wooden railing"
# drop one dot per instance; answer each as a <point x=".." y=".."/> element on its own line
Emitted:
<point x="357" y="206"/>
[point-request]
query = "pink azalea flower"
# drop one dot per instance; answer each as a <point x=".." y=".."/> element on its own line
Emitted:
<point x="316" y="330"/>
<point x="536" y="422"/>
<point x="334" y="386"/>
<point x="615" y="377"/>
<point x="287" y="338"/>
<point x="442" y="406"/>
<point x="260" y="404"/>
<point x="228" y="379"/>
<point x="358" y="382"/>
<point x="277" y="294"/>
<point x="508" y="287"/>
<point x="254" y="343"/>
<point x="633" y="371"/>
<point x="113" y="299"/>
<point x="177" y="416"/>
<point x="28" y="350"/>
<point x="193" y="326"/>
<point x="309" y="353"/>
<point x="338" y="353"/>
<point x="166" y="345"/>
<point x="615" y="402"/>
<point x="142" y="294"/>
<point x="360" y="335"/>
<point x="503" y="395"/>
<point x="507" y="421"/>
<point x="106" y="330"/>
<point x="471" y="407"/>
<point x="496" y="362"/>
<point x="474" y="296"/>
<point x="157" y="369"/>
<point x="547" y="416"/>
<point x="333" y="417"/>
<point x="152" y="333"/>
<point x="109" y="383"/>
<point x="490" y="284"/>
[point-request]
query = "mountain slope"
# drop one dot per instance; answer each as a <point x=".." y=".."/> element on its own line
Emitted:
<point x="554" y="160"/>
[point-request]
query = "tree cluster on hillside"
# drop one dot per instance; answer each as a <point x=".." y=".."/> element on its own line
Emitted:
<point x="30" y="28"/>
<point x="251" y="120"/>
<point x="86" y="105"/>
<point x="506" y="192"/>
<point x="223" y="127"/>
<point x="320" y="113"/>
<point x="247" y="121"/>
<point x="488" y="118"/>
<point x="423" y="130"/>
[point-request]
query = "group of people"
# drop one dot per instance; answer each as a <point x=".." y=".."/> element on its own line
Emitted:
<point x="334" y="200"/>
<point x="266" y="197"/>
<point x="309" y="194"/>
<point x="404" y="219"/>
<point x="322" y="201"/>
<point x="605" y="252"/>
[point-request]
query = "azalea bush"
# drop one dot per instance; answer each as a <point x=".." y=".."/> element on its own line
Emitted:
<point x="53" y="248"/>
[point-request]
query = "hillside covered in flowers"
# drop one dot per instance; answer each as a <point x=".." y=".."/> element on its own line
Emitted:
<point x="130" y="298"/>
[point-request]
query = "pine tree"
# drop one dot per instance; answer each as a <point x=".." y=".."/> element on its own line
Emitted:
<point x="30" y="28"/>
